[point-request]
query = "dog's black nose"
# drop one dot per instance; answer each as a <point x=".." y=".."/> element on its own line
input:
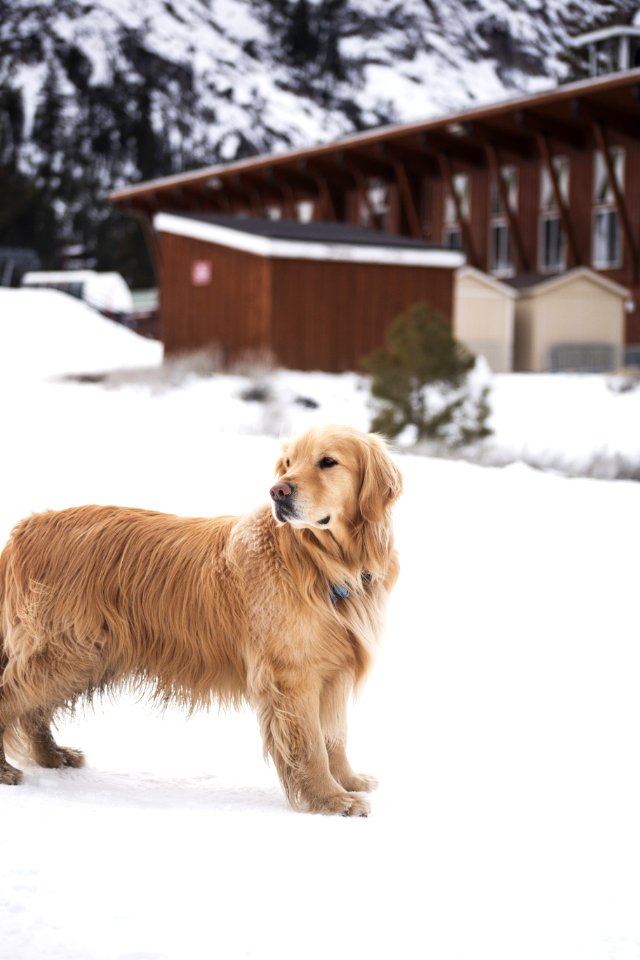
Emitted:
<point x="281" y="490"/>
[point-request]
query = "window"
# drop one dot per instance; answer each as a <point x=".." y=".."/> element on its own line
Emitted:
<point x="452" y="232"/>
<point x="551" y="240"/>
<point x="500" y="246"/>
<point x="606" y="236"/>
<point x="374" y="207"/>
<point x="305" y="210"/>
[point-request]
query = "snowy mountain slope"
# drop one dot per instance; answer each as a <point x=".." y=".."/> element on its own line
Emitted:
<point x="220" y="78"/>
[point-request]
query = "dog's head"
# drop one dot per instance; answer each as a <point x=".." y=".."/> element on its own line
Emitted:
<point x="334" y="478"/>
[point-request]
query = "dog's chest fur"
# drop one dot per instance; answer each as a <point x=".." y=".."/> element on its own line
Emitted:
<point x="329" y="630"/>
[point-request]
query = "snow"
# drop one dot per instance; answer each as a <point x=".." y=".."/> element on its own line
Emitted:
<point x="502" y="716"/>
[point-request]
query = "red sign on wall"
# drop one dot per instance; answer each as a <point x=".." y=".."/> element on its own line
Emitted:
<point x="201" y="273"/>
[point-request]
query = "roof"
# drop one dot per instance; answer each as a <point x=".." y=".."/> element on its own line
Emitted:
<point x="512" y="124"/>
<point x="533" y="284"/>
<point x="57" y="276"/>
<point x="307" y="241"/>
<point x="486" y="279"/>
<point x="313" y="231"/>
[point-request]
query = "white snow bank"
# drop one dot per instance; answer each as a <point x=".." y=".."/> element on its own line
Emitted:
<point x="45" y="333"/>
<point x="575" y="424"/>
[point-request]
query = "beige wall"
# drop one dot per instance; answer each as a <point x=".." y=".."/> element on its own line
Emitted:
<point x="580" y="311"/>
<point x="483" y="319"/>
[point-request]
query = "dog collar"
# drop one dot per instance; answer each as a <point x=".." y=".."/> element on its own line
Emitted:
<point x="338" y="592"/>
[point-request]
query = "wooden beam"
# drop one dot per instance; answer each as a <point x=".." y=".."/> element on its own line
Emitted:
<point x="519" y="144"/>
<point x="467" y="243"/>
<point x="565" y="132"/>
<point x="594" y="113"/>
<point x="368" y="165"/>
<point x="362" y="196"/>
<point x="545" y="153"/>
<point x="247" y="192"/>
<point x="415" y="161"/>
<point x="321" y="169"/>
<point x="292" y="178"/>
<point x="410" y="204"/>
<point x="334" y="183"/>
<point x="619" y="199"/>
<point x="522" y="263"/>
<point x="271" y="190"/>
<point x="458" y="148"/>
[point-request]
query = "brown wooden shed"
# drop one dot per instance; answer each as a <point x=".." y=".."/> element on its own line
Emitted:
<point x="315" y="296"/>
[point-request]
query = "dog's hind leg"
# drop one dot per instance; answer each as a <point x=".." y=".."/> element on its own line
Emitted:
<point x="8" y="774"/>
<point x="36" y="727"/>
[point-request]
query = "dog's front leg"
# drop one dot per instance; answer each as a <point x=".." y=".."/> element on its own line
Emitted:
<point x="333" y="719"/>
<point x="289" y="718"/>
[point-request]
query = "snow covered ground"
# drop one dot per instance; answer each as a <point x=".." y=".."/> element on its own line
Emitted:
<point x="502" y="716"/>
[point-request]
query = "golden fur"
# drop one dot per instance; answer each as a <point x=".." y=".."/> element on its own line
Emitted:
<point x="234" y="609"/>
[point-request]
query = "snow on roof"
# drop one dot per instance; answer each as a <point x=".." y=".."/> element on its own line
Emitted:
<point x="105" y="291"/>
<point x="307" y="241"/>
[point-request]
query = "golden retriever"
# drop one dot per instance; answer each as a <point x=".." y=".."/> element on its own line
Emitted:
<point x="280" y="608"/>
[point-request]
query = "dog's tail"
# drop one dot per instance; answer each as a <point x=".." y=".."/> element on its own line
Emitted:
<point x="10" y="733"/>
<point x="3" y="657"/>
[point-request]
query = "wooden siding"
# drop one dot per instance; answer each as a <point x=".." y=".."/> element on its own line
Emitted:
<point x="328" y="315"/>
<point x="308" y="314"/>
<point x="232" y="312"/>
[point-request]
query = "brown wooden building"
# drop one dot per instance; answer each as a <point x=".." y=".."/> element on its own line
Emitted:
<point x="533" y="186"/>
<point x="316" y="296"/>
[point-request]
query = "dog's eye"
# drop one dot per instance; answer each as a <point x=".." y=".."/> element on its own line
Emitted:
<point x="288" y="463"/>
<point x="327" y="462"/>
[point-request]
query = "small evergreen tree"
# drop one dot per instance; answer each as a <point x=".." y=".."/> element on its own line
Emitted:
<point x="420" y="377"/>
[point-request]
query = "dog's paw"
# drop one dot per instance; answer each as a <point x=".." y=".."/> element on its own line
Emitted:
<point x="62" y="757"/>
<point x="10" y="775"/>
<point x="341" y="804"/>
<point x="71" y="758"/>
<point x="359" y="807"/>
<point x="361" y="783"/>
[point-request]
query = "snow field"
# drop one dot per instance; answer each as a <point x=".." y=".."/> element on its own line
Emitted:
<point x="502" y="716"/>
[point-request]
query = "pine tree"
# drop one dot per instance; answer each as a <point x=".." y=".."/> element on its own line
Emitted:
<point x="420" y="377"/>
<point x="47" y="124"/>
<point x="300" y="41"/>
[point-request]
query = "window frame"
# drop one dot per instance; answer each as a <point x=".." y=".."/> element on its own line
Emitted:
<point x="549" y="213"/>
<point x="604" y="206"/>
<point x="451" y="227"/>
<point x="502" y="264"/>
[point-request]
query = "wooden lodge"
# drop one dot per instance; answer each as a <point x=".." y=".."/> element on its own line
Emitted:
<point x="526" y="190"/>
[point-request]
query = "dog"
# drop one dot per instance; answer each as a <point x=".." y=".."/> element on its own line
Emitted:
<point x="281" y="608"/>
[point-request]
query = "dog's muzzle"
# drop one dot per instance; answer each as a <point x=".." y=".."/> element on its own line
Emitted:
<point x="283" y="496"/>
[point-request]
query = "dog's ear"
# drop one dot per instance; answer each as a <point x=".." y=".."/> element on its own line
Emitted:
<point x="381" y="480"/>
